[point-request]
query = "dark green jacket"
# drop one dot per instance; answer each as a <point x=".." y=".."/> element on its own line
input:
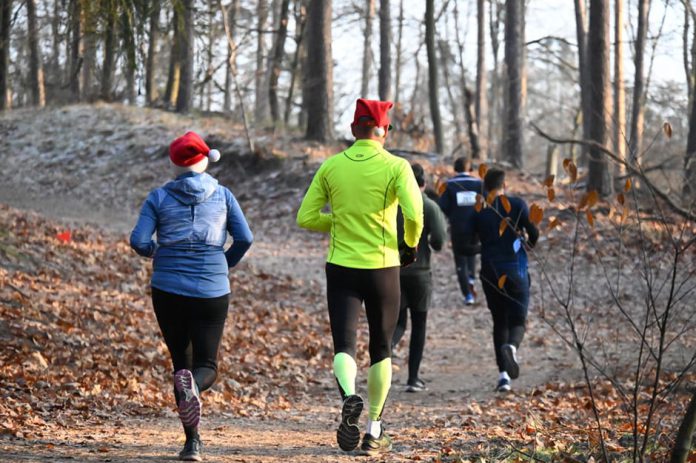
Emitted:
<point x="433" y="236"/>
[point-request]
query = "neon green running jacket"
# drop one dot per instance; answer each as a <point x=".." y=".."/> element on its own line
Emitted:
<point x="363" y="185"/>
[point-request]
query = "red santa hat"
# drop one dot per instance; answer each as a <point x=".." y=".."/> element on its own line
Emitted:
<point x="190" y="149"/>
<point x="373" y="112"/>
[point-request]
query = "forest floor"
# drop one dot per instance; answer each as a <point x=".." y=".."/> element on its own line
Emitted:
<point x="85" y="375"/>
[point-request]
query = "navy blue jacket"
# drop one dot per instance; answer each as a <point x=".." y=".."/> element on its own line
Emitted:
<point x="192" y="216"/>
<point x="508" y="249"/>
<point x="457" y="202"/>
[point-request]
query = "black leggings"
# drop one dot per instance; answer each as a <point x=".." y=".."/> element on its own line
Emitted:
<point x="416" y="290"/>
<point x="346" y="290"/>
<point x="192" y="329"/>
<point x="508" y="305"/>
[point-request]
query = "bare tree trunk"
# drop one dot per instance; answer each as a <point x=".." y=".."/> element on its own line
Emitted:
<point x="481" y="81"/>
<point x="433" y="86"/>
<point x="36" y="76"/>
<point x="399" y="52"/>
<point x="171" y="92"/>
<point x="232" y="12"/>
<point x="278" y="54"/>
<point x="184" y="100"/>
<point x="469" y="102"/>
<point x="513" y="123"/>
<point x="581" y="34"/>
<point x="367" y="48"/>
<point x="208" y="79"/>
<point x="445" y="59"/>
<point x="689" y="188"/>
<point x="56" y="39"/>
<point x="261" y="87"/>
<point x="75" y="49"/>
<point x="128" y="38"/>
<point x="523" y="61"/>
<point x="636" y="140"/>
<point x="151" y="93"/>
<point x="109" y="50"/>
<point x="301" y="21"/>
<point x="385" y="39"/>
<point x="599" y="94"/>
<point x="494" y="114"/>
<point x="619" y="89"/>
<point x="89" y="48"/>
<point x="318" y="78"/>
<point x="682" y="444"/>
<point x="5" y="17"/>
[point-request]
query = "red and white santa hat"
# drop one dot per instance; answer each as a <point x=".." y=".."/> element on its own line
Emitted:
<point x="190" y="149"/>
<point x="373" y="113"/>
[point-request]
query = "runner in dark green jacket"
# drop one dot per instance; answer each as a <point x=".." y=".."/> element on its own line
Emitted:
<point x="416" y="284"/>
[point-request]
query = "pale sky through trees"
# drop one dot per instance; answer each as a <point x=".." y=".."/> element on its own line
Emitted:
<point x="544" y="18"/>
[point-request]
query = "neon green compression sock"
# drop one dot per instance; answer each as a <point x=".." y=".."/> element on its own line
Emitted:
<point x="378" y="383"/>
<point x="345" y="370"/>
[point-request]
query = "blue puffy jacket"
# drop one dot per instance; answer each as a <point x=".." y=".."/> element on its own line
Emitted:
<point x="192" y="216"/>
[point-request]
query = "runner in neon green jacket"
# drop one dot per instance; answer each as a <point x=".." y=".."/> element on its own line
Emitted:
<point x="364" y="186"/>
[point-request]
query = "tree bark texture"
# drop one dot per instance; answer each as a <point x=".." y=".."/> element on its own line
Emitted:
<point x="151" y="93"/>
<point x="367" y="48"/>
<point x="5" y="17"/>
<point x="301" y="22"/>
<point x="682" y="444"/>
<point x="171" y="91"/>
<point x="109" y="49"/>
<point x="231" y="65"/>
<point x="89" y="48"/>
<point x="261" y="87"/>
<point x="494" y="115"/>
<point x="75" y="50"/>
<point x="36" y="75"/>
<point x="481" y="73"/>
<point x="689" y="188"/>
<point x="513" y="121"/>
<point x="581" y="34"/>
<point x="318" y="72"/>
<point x="636" y="140"/>
<point x="278" y="54"/>
<point x="400" y="34"/>
<point x="128" y="39"/>
<point x="599" y="94"/>
<point x="385" y="39"/>
<point x="619" y="88"/>
<point x="433" y="87"/>
<point x="184" y="100"/>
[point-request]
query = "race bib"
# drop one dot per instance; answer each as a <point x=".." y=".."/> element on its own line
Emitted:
<point x="466" y="198"/>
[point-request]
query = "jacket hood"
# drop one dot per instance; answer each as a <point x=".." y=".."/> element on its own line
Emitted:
<point x="191" y="188"/>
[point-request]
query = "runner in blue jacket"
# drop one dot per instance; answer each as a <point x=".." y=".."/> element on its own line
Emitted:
<point x="191" y="216"/>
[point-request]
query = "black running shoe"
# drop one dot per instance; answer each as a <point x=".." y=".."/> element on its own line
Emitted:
<point x="373" y="446"/>
<point x="416" y="385"/>
<point x="348" y="433"/>
<point x="509" y="353"/>
<point x="192" y="450"/>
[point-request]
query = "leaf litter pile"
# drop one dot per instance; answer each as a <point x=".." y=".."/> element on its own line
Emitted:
<point x="81" y="345"/>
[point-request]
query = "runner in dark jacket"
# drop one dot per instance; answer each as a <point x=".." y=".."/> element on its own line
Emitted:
<point x="505" y="255"/>
<point x="416" y="283"/>
<point x="457" y="202"/>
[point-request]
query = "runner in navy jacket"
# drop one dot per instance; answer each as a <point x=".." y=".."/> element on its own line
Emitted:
<point x="505" y="255"/>
<point x="457" y="202"/>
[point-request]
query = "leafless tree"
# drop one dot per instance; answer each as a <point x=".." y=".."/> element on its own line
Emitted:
<point x="367" y="48"/>
<point x="278" y="54"/>
<point x="433" y="85"/>
<point x="153" y="40"/>
<point x="185" y="97"/>
<point x="481" y="81"/>
<point x="638" y="100"/>
<point x="385" y="39"/>
<point x="318" y="78"/>
<point x="36" y="74"/>
<point x="599" y="94"/>
<point x="513" y="96"/>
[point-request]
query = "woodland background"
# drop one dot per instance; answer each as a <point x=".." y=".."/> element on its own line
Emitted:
<point x="596" y="139"/>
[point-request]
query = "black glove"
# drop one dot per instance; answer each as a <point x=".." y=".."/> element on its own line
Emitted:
<point x="407" y="255"/>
